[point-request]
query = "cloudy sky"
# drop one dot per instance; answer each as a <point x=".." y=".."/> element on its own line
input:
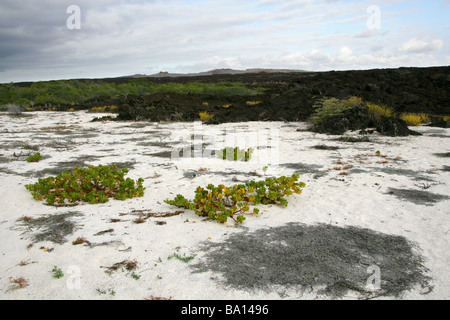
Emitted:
<point x="43" y="40"/>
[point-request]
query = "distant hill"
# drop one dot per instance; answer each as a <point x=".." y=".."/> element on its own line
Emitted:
<point x="219" y="72"/>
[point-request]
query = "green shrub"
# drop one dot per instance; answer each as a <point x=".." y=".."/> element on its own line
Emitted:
<point x="326" y="108"/>
<point x="92" y="185"/>
<point x="236" y="154"/>
<point x="34" y="158"/>
<point x="220" y="203"/>
<point x="378" y="111"/>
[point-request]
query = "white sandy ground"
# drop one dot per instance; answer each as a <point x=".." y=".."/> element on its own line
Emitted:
<point x="358" y="199"/>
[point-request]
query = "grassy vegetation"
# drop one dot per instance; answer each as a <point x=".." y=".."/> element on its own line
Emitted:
<point x="415" y="119"/>
<point x="183" y="258"/>
<point x="380" y="111"/>
<point x="78" y="91"/>
<point x="103" y="109"/>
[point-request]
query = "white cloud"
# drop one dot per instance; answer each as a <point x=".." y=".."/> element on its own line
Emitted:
<point x="417" y="45"/>
<point x="317" y="60"/>
<point x="317" y="56"/>
<point x="345" y="54"/>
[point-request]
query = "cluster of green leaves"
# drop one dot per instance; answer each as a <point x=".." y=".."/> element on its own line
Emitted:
<point x="236" y="154"/>
<point x="78" y="91"/>
<point x="220" y="202"/>
<point x="57" y="272"/>
<point x="34" y="158"/>
<point x="92" y="185"/>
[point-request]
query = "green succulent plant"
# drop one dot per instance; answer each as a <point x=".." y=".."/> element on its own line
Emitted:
<point x="236" y="154"/>
<point x="34" y="158"/>
<point x="92" y="185"/>
<point x="220" y="202"/>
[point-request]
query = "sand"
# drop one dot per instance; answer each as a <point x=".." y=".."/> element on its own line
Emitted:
<point x="371" y="211"/>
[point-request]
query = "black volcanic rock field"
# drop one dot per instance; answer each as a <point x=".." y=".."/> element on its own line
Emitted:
<point x="291" y="96"/>
<point x="231" y="96"/>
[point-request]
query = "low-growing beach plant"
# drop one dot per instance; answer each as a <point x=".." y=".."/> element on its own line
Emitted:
<point x="415" y="119"/>
<point x="92" y="185"/>
<point x="236" y="154"/>
<point x="57" y="272"/>
<point x="101" y="291"/>
<point x="135" y="276"/>
<point x="205" y="116"/>
<point x="253" y="103"/>
<point x="220" y="202"/>
<point x="103" y="109"/>
<point x="34" y="158"/>
<point x="183" y="257"/>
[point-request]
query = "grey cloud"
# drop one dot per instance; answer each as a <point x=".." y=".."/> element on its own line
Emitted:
<point x="368" y="33"/>
<point x="140" y="36"/>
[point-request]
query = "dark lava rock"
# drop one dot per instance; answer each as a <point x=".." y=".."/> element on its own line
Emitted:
<point x="288" y="96"/>
<point x="389" y="126"/>
<point x="356" y="118"/>
<point x="105" y="118"/>
<point x="291" y="96"/>
<point x="439" y="124"/>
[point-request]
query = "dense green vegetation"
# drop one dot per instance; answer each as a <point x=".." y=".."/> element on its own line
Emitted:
<point x="92" y="185"/>
<point x="79" y="91"/>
